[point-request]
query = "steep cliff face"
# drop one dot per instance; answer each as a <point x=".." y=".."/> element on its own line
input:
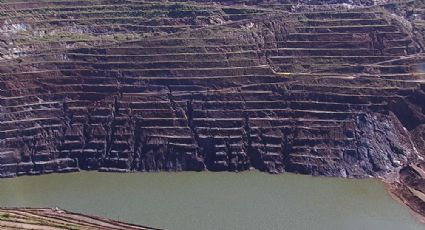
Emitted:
<point x="324" y="88"/>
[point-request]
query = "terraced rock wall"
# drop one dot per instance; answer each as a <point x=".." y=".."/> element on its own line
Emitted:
<point x="299" y="86"/>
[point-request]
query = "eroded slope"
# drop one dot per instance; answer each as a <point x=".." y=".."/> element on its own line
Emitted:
<point x="56" y="219"/>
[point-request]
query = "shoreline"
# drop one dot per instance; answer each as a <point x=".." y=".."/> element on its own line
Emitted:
<point x="396" y="197"/>
<point x="409" y="190"/>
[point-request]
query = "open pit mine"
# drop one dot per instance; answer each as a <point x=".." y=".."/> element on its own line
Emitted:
<point x="320" y="87"/>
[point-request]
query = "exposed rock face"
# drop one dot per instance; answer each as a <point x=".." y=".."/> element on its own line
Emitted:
<point x="409" y="187"/>
<point x="215" y="86"/>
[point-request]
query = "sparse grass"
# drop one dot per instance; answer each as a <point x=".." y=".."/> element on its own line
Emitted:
<point x="57" y="37"/>
<point x="5" y="216"/>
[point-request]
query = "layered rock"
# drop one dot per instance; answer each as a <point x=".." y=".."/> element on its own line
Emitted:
<point x="333" y="89"/>
<point x="56" y="219"/>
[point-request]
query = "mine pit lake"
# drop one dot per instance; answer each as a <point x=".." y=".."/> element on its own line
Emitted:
<point x="206" y="200"/>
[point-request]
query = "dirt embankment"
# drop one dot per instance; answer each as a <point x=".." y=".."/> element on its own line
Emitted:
<point x="56" y="219"/>
<point x="410" y="189"/>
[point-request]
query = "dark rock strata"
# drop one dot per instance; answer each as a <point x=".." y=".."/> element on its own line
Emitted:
<point x="331" y="88"/>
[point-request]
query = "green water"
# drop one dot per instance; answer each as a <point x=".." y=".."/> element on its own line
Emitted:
<point x="186" y="201"/>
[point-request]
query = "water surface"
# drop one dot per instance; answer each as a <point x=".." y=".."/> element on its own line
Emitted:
<point x="216" y="201"/>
